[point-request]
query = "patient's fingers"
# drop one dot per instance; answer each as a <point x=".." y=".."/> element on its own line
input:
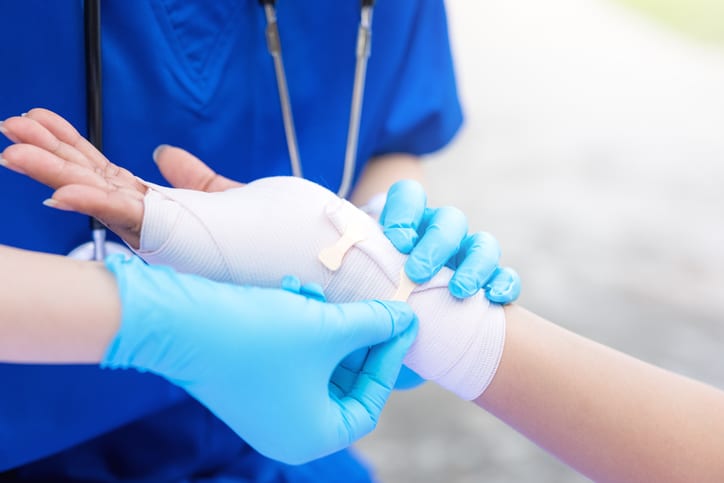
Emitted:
<point x="49" y="169"/>
<point x="184" y="170"/>
<point x="121" y="209"/>
<point x="70" y="137"/>
<point x="44" y="158"/>
<point x="27" y="131"/>
<point x="66" y="133"/>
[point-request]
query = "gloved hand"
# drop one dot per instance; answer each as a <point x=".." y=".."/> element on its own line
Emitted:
<point x="261" y="359"/>
<point x="437" y="237"/>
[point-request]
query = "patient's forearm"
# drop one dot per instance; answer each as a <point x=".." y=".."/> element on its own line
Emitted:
<point x="384" y="171"/>
<point x="54" y="309"/>
<point x="610" y="416"/>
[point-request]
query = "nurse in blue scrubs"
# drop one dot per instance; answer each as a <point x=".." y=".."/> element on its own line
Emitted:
<point x="198" y="75"/>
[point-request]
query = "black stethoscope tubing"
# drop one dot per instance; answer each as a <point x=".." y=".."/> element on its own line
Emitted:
<point x="98" y="247"/>
<point x="94" y="101"/>
<point x="93" y="73"/>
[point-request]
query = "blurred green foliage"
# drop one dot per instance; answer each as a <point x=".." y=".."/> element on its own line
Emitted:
<point x="703" y="19"/>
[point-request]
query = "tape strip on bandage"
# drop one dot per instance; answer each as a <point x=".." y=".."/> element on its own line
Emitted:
<point x="273" y="227"/>
<point x="355" y="232"/>
<point x="404" y="287"/>
<point x="333" y="255"/>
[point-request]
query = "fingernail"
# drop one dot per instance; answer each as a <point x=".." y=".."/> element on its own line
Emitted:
<point x="157" y="151"/>
<point x="3" y="163"/>
<point x="50" y="202"/>
<point x="23" y="114"/>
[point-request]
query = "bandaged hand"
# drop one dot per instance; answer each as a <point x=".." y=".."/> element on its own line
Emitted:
<point x="432" y="237"/>
<point x="261" y="359"/>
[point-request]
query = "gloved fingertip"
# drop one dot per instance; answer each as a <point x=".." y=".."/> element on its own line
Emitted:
<point x="410" y="333"/>
<point x="419" y="270"/>
<point x="314" y="291"/>
<point x="461" y="290"/>
<point x="401" y="314"/>
<point x="505" y="287"/>
<point x="404" y="239"/>
<point x="114" y="259"/>
<point x="291" y="283"/>
<point x="408" y="379"/>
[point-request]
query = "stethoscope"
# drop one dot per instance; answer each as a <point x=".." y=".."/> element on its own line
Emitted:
<point x="98" y="248"/>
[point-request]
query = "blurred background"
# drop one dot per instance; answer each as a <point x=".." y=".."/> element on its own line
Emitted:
<point x="594" y="151"/>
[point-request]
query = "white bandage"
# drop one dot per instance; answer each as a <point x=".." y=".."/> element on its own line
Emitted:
<point x="273" y="227"/>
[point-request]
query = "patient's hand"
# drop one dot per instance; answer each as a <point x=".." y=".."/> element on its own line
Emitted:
<point x="51" y="151"/>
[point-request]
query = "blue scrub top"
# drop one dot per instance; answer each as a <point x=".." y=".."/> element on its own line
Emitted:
<point x="196" y="74"/>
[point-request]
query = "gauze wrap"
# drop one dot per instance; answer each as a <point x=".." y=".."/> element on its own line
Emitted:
<point x="272" y="227"/>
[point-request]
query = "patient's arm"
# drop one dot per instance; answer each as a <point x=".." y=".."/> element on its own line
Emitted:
<point x="607" y="414"/>
<point x="55" y="309"/>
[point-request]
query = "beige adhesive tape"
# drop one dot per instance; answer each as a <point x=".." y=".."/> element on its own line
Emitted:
<point x="332" y="256"/>
<point x="404" y="288"/>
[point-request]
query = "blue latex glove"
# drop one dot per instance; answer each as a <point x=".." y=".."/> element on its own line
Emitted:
<point x="346" y="372"/>
<point x="261" y="359"/>
<point x="437" y="237"/>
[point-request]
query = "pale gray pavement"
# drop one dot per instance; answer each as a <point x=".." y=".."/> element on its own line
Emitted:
<point x="594" y="151"/>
